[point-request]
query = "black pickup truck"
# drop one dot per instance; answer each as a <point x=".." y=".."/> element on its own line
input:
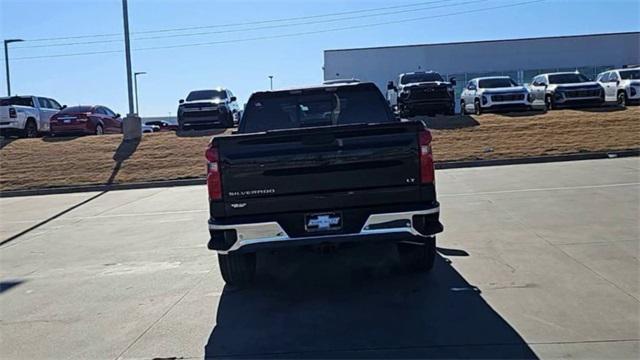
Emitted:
<point x="315" y="165"/>
<point x="422" y="93"/>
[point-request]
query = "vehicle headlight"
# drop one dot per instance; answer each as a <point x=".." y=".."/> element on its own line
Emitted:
<point x="633" y="90"/>
<point x="529" y="97"/>
<point x="404" y="94"/>
<point x="484" y="100"/>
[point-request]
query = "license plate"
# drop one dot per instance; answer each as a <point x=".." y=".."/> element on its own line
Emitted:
<point x="66" y="121"/>
<point x="323" y="222"/>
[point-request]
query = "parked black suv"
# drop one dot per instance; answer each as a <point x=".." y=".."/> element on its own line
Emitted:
<point x="324" y="164"/>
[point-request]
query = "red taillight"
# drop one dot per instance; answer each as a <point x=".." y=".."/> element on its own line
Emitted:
<point x="12" y="113"/>
<point x="427" y="174"/>
<point x="82" y="117"/>
<point x="214" y="183"/>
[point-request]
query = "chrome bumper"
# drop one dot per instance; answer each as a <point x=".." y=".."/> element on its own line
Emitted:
<point x="376" y="224"/>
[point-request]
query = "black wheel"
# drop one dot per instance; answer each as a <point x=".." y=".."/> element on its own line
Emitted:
<point x="477" y="109"/>
<point x="237" y="269"/>
<point x="622" y="98"/>
<point x="451" y="110"/>
<point x="229" y="123"/>
<point x="99" y="130"/>
<point x="418" y="257"/>
<point x="30" y="129"/>
<point x="463" y="108"/>
<point x="549" y="103"/>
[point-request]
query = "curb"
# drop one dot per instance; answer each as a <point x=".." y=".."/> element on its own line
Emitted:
<point x="537" y="159"/>
<point x="438" y="165"/>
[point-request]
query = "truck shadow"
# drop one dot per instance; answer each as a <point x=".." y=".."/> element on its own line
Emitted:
<point x="457" y="121"/>
<point x="354" y="305"/>
<point x="602" y="109"/>
<point x="4" y="141"/>
<point x="59" y="138"/>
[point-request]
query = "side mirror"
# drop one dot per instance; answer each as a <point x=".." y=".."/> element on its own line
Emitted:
<point x="180" y="101"/>
<point x="117" y="116"/>
<point x="391" y="86"/>
<point x="453" y="81"/>
<point x="63" y="107"/>
<point x="233" y="98"/>
<point x="472" y="87"/>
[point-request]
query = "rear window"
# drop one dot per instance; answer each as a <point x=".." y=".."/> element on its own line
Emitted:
<point x="17" y="101"/>
<point x="76" y="109"/>
<point x="316" y="107"/>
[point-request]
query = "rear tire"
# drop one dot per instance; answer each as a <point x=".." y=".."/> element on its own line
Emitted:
<point x="418" y="257"/>
<point x="30" y="129"/>
<point x="237" y="269"/>
<point x="99" y="130"/>
<point x="451" y="110"/>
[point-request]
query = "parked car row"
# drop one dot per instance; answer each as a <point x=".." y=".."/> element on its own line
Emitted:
<point x="31" y="116"/>
<point x="428" y="93"/>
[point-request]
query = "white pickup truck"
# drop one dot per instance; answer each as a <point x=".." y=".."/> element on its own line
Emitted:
<point x="26" y="116"/>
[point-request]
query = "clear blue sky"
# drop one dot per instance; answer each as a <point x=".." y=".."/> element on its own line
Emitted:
<point x="243" y="66"/>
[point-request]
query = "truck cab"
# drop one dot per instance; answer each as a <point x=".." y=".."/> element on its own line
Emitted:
<point x="27" y="116"/>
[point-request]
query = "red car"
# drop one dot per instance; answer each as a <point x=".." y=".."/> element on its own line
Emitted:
<point x="86" y="120"/>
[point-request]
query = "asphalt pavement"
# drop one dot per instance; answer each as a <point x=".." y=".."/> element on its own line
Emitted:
<point x="536" y="261"/>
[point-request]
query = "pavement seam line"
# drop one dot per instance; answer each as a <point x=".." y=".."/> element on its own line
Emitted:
<point x="135" y="341"/>
<point x="540" y="189"/>
<point x="567" y="254"/>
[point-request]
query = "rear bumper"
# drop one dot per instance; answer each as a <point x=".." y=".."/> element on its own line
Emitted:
<point x="72" y="130"/>
<point x="396" y="226"/>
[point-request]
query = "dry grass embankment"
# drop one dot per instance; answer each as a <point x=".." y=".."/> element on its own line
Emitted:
<point x="51" y="162"/>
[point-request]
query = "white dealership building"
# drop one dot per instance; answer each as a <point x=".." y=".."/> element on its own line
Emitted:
<point x="519" y="58"/>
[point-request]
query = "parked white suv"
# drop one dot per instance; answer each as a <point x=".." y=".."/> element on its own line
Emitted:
<point x="621" y="85"/>
<point x="565" y="89"/>
<point x="494" y="93"/>
<point x="26" y="116"/>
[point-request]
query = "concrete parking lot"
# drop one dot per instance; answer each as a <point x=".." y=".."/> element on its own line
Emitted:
<point x="535" y="261"/>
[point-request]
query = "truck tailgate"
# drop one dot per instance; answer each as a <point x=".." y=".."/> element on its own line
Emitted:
<point x="319" y="161"/>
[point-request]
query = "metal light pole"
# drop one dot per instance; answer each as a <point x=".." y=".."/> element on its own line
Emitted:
<point x="131" y="126"/>
<point x="271" y="82"/>
<point x="6" y="61"/>
<point x="135" y="85"/>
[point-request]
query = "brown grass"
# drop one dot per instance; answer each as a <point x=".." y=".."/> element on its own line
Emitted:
<point x="45" y="162"/>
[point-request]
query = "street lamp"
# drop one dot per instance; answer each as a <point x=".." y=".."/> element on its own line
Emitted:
<point x="6" y="61"/>
<point x="271" y="82"/>
<point x="135" y="85"/>
<point x="131" y="125"/>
